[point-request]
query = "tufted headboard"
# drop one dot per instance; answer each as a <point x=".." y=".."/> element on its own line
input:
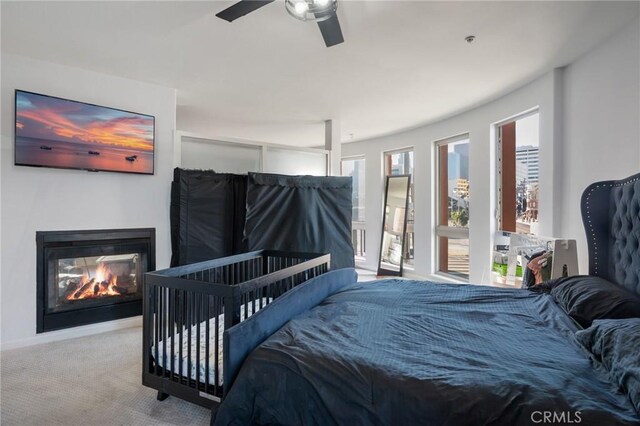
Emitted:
<point x="611" y="217"/>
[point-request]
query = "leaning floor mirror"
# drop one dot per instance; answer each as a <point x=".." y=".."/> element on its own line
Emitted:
<point x="394" y="225"/>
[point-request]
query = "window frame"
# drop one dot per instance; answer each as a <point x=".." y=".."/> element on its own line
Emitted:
<point x="445" y="231"/>
<point x="397" y="151"/>
<point x="498" y="163"/>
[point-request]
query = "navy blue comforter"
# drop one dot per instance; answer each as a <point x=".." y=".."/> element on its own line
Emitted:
<point x="407" y="352"/>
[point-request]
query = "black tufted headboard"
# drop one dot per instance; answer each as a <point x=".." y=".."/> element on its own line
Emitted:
<point x="611" y="217"/>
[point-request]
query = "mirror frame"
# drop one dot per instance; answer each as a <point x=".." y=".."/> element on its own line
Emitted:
<point x="388" y="272"/>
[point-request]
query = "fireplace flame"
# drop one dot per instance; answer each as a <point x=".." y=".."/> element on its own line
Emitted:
<point x="104" y="283"/>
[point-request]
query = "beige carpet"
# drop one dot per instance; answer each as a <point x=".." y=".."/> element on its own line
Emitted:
<point x="93" y="380"/>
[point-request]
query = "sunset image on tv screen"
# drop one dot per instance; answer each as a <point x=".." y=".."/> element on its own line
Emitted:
<point x="56" y="132"/>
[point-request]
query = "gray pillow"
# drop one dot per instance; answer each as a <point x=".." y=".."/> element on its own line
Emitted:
<point x="616" y="344"/>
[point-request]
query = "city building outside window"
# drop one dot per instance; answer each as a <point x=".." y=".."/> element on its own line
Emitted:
<point x="518" y="170"/>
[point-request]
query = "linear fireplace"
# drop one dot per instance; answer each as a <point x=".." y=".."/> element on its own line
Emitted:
<point x="86" y="277"/>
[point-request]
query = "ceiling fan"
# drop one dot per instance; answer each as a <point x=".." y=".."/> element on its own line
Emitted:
<point x="321" y="11"/>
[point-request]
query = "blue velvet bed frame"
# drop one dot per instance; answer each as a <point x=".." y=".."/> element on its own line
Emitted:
<point x="611" y="216"/>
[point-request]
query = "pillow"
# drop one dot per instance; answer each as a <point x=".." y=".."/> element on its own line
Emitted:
<point x="587" y="298"/>
<point x="616" y="344"/>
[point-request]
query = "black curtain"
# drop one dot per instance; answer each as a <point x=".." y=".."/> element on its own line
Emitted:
<point x="301" y="214"/>
<point x="215" y="215"/>
<point x="207" y="215"/>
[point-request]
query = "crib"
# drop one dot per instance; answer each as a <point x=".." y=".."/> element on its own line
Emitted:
<point x="185" y="314"/>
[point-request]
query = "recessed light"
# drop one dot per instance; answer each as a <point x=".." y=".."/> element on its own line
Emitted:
<point x="470" y="38"/>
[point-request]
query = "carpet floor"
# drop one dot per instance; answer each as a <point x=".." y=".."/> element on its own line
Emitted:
<point x="94" y="380"/>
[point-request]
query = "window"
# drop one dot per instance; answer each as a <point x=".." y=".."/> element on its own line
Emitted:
<point x="400" y="162"/>
<point x="518" y="170"/>
<point x="354" y="167"/>
<point x="453" y="197"/>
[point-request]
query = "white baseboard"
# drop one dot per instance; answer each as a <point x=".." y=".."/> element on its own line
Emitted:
<point x="70" y="333"/>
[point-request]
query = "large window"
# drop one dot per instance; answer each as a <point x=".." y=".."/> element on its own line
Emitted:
<point x="354" y="167"/>
<point x="453" y="196"/>
<point x="518" y="169"/>
<point x="400" y="162"/>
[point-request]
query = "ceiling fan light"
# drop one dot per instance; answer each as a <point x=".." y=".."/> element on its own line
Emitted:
<point x="311" y="10"/>
<point x="301" y="7"/>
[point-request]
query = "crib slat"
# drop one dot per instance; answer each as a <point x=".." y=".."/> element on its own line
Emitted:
<point x="206" y="344"/>
<point x="216" y="342"/>
<point x="188" y="325"/>
<point x="197" y="310"/>
<point x="155" y="334"/>
<point x="163" y="330"/>
<point x="246" y="307"/>
<point x="172" y="320"/>
<point x="253" y="302"/>
<point x="182" y="314"/>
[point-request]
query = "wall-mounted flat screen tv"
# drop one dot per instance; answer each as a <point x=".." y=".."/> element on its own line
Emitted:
<point x="60" y="133"/>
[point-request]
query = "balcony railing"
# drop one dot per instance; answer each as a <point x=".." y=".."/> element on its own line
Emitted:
<point x="408" y="250"/>
<point x="358" y="239"/>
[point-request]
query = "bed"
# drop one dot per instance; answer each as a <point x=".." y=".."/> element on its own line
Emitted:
<point x="333" y="351"/>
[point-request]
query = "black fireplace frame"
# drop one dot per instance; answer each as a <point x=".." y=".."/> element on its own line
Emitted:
<point x="49" y="321"/>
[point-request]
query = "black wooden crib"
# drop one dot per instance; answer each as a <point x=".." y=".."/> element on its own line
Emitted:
<point x="185" y="313"/>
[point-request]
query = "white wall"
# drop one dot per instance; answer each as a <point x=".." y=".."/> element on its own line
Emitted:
<point x="241" y="156"/>
<point x="478" y="124"/>
<point x="42" y="199"/>
<point x="589" y="130"/>
<point x="224" y="157"/>
<point x="293" y="162"/>
<point x="601" y="123"/>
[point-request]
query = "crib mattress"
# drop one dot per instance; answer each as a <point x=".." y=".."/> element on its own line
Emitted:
<point x="194" y="359"/>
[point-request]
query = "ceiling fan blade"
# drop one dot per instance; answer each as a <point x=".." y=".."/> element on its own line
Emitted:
<point x="241" y="8"/>
<point x="331" y="31"/>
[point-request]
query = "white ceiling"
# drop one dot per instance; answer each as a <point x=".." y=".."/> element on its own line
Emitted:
<point x="269" y="77"/>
